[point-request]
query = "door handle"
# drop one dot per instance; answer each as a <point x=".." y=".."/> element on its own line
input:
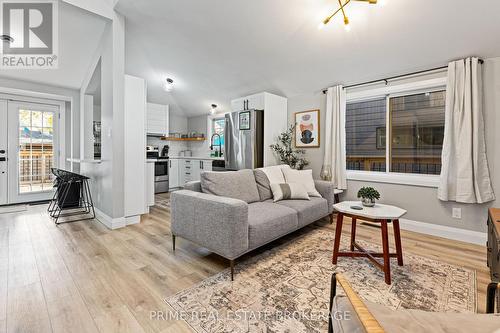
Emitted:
<point x="2" y="151"/>
<point x="3" y="159"/>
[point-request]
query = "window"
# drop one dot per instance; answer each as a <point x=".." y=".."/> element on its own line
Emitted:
<point x="414" y="141"/>
<point x="218" y="128"/>
<point x="365" y="135"/>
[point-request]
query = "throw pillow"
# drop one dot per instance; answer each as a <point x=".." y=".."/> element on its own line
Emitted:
<point x="263" y="177"/>
<point x="232" y="184"/>
<point x="303" y="177"/>
<point x="289" y="191"/>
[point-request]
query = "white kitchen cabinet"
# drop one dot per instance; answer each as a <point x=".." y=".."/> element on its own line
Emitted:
<point x="188" y="170"/>
<point x="205" y="165"/>
<point x="191" y="171"/>
<point x="150" y="184"/>
<point x="275" y="118"/>
<point x="174" y="171"/>
<point x="157" y="119"/>
<point x="252" y="102"/>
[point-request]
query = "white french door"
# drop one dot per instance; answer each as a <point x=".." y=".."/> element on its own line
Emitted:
<point x="32" y="150"/>
<point x="4" y="181"/>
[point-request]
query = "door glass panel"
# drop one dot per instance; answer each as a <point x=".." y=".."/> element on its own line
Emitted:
<point x="36" y="156"/>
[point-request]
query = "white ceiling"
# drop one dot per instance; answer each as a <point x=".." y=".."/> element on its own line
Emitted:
<point x="218" y="50"/>
<point x="79" y="35"/>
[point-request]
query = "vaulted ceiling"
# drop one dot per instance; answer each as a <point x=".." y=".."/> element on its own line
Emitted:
<point x="218" y="50"/>
<point x="79" y="35"/>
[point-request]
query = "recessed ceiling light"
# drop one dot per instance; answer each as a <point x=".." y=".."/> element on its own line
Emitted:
<point x="213" y="109"/>
<point x="168" y="85"/>
<point x="6" y="39"/>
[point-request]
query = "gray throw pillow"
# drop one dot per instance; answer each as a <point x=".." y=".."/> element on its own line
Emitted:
<point x="263" y="185"/>
<point x="289" y="191"/>
<point x="239" y="185"/>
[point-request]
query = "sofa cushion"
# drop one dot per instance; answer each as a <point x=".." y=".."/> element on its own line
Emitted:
<point x="268" y="221"/>
<point x="308" y="211"/>
<point x="232" y="184"/>
<point x="264" y="183"/>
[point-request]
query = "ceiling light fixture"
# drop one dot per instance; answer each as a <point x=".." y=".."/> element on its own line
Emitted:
<point x="6" y="39"/>
<point x="168" y="85"/>
<point x="213" y="110"/>
<point x="342" y="9"/>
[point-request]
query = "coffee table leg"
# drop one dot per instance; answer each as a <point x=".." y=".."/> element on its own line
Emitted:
<point x="353" y="232"/>
<point x="385" y="247"/>
<point x="397" y="239"/>
<point x="338" y="234"/>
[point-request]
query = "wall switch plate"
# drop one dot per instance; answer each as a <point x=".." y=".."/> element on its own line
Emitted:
<point x="456" y="213"/>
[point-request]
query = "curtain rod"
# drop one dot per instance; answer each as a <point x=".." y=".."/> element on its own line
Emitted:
<point x="386" y="80"/>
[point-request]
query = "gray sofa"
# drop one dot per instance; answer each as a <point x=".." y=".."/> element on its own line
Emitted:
<point x="232" y="213"/>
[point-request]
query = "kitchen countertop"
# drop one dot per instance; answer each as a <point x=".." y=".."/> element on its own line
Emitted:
<point x="197" y="158"/>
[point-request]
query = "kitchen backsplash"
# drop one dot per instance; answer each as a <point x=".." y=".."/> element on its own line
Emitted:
<point x="175" y="146"/>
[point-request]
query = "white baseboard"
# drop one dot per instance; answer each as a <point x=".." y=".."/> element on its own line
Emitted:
<point x="462" y="235"/>
<point x="133" y="219"/>
<point x="108" y="221"/>
<point x="116" y="223"/>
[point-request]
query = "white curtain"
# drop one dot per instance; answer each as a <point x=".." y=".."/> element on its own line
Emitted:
<point x="464" y="174"/>
<point x="334" y="163"/>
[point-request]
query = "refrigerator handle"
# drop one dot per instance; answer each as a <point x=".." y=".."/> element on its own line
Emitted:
<point x="227" y="142"/>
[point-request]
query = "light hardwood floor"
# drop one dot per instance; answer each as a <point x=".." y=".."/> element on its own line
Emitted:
<point x="82" y="277"/>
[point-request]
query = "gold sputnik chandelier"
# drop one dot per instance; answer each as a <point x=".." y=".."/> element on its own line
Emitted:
<point x="341" y="9"/>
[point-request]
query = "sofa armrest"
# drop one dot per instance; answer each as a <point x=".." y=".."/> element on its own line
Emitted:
<point x="193" y="186"/>
<point x="327" y="191"/>
<point x="369" y="322"/>
<point x="218" y="223"/>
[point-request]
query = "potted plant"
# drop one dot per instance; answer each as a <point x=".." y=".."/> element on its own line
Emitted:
<point x="286" y="153"/>
<point x="368" y="196"/>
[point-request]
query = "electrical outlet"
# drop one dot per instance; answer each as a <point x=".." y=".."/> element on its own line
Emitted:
<point x="456" y="213"/>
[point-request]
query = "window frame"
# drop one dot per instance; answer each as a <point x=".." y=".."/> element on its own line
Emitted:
<point x="389" y="91"/>
<point x="212" y="120"/>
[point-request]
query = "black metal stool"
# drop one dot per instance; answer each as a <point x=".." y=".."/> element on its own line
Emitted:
<point x="73" y="195"/>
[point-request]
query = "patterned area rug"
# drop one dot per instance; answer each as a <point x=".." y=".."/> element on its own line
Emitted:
<point x="288" y="287"/>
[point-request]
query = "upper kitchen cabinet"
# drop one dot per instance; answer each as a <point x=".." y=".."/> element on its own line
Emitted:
<point x="157" y="119"/>
<point x="252" y="102"/>
<point x="275" y="118"/>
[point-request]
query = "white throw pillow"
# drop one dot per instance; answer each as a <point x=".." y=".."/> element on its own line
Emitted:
<point x="303" y="177"/>
<point x="289" y="191"/>
<point x="275" y="173"/>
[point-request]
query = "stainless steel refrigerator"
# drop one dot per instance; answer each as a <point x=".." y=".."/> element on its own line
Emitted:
<point x="244" y="139"/>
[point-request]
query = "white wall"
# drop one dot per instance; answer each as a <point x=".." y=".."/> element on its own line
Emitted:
<point x="107" y="177"/>
<point x="421" y="202"/>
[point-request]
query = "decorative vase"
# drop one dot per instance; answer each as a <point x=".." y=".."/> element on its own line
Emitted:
<point x="368" y="202"/>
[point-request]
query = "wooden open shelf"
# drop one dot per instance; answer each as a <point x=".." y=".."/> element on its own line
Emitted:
<point x="167" y="138"/>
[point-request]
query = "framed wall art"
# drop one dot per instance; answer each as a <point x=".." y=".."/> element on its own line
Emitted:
<point x="307" y="131"/>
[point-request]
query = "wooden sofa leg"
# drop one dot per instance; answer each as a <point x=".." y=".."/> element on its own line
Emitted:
<point x="231" y="263"/>
<point x="331" y="218"/>
<point x="173" y="242"/>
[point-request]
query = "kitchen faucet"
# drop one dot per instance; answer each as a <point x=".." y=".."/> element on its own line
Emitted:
<point x="212" y="144"/>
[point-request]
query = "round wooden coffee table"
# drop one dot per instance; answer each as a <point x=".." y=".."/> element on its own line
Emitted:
<point x="380" y="213"/>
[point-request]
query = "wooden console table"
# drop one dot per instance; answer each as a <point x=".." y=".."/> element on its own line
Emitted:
<point x="382" y="214"/>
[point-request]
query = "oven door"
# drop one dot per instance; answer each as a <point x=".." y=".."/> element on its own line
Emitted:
<point x="161" y="171"/>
